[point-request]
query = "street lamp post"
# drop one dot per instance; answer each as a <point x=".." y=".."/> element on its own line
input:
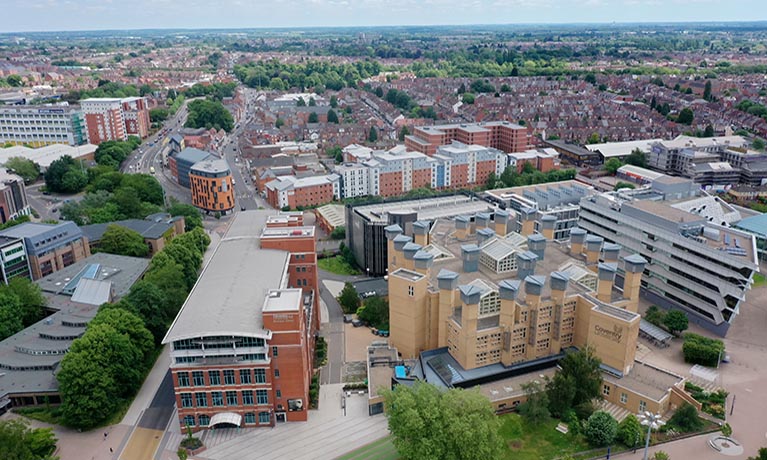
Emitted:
<point x="652" y="422"/>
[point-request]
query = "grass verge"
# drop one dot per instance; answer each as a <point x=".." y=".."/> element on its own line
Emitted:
<point x="337" y="265"/>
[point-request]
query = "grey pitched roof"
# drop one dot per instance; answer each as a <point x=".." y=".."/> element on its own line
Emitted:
<point x="147" y="229"/>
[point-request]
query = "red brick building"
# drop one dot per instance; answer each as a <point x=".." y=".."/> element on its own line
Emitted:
<point x="242" y="346"/>
<point x="292" y="192"/>
<point x="502" y="135"/>
<point x="114" y="119"/>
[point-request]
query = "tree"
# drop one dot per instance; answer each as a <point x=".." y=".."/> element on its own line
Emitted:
<point x="578" y="381"/>
<point x="612" y="165"/>
<point x="129" y="324"/>
<point x="336" y="153"/>
<point x="761" y="455"/>
<point x="312" y="102"/>
<point x="620" y="184"/>
<point x="403" y="133"/>
<point x="373" y="134"/>
<point x="332" y="116"/>
<point x="14" y="80"/>
<point x="300" y="102"/>
<point x="191" y="214"/>
<point x="461" y="89"/>
<point x="375" y="312"/>
<point x="209" y="114"/>
<point x="313" y="118"/>
<point x="637" y="158"/>
<point x="11" y="315"/>
<point x="19" y="442"/>
<point x="467" y="98"/>
<point x="279" y="123"/>
<point x="151" y="304"/>
<point x="158" y="115"/>
<point x="594" y="138"/>
<point x="536" y="408"/>
<point x="676" y="321"/>
<point x="726" y="430"/>
<point x="707" y="91"/>
<point x="27" y="169"/>
<point x="338" y="233"/>
<point x="686" y="419"/>
<point x="590" y="78"/>
<point x="630" y="431"/>
<point x="702" y="350"/>
<point x="349" y="299"/>
<point x="709" y="131"/>
<point x="65" y="176"/>
<point x="333" y="101"/>
<point x="429" y="424"/>
<point x="660" y="455"/>
<point x="123" y="241"/>
<point x="505" y="88"/>
<point x="758" y="144"/>
<point x="30" y="299"/>
<point x="601" y="429"/>
<point x="685" y="116"/>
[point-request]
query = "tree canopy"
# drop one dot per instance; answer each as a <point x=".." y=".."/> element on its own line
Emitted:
<point x="601" y="429"/>
<point x="65" y="175"/>
<point x="375" y="312"/>
<point x="113" y="153"/>
<point x="676" y="321"/>
<point x="20" y="442"/>
<point x="349" y="299"/>
<point x="27" y="169"/>
<point x="209" y="114"/>
<point x="578" y="381"/>
<point x="612" y="165"/>
<point x="192" y="216"/>
<point x="21" y="305"/>
<point x="123" y="241"/>
<point x="430" y="424"/>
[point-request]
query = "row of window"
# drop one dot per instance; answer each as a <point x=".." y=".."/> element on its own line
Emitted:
<point x="201" y="399"/>
<point x="247" y="377"/>
<point x="249" y="419"/>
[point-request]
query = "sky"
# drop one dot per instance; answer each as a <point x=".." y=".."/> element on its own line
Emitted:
<point x="56" y="15"/>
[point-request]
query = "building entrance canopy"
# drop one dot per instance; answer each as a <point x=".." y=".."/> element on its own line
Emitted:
<point x="225" y="418"/>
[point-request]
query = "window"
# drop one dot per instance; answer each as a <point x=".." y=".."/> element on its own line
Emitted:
<point x="247" y="398"/>
<point x="189" y="420"/>
<point x="198" y="379"/>
<point x="624" y="398"/>
<point x="642" y="406"/>
<point x="263" y="417"/>
<point x="279" y="394"/>
<point x="186" y="399"/>
<point x="274" y="352"/>
<point x="250" y="418"/>
<point x="606" y="390"/>
<point x="204" y="420"/>
<point x="411" y="291"/>
<point x="217" y="397"/>
<point x="260" y="375"/>
<point x="229" y="377"/>
<point x="231" y="398"/>
<point x="183" y="379"/>
<point x="276" y="373"/>
<point x="202" y="399"/>
<point x="262" y="397"/>
<point x="215" y="377"/>
<point x="245" y="376"/>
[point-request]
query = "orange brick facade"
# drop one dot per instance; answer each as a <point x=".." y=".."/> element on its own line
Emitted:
<point x="503" y="136"/>
<point x="212" y="194"/>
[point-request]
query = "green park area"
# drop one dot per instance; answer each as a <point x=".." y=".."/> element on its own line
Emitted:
<point x="337" y="265"/>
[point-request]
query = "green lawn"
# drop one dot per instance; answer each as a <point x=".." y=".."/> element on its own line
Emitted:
<point x="526" y="442"/>
<point x="382" y="449"/>
<point x="337" y="265"/>
<point x="759" y="280"/>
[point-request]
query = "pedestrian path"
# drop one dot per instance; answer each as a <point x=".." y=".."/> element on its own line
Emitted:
<point x="214" y="437"/>
<point x="328" y="434"/>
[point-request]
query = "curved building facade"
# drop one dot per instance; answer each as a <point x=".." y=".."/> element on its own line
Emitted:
<point x="212" y="186"/>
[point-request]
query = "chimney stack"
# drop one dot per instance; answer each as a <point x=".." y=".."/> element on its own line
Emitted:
<point x="421" y="232"/>
<point x="548" y="224"/>
<point x="593" y="248"/>
<point x="461" y="227"/>
<point x="484" y="234"/>
<point x="536" y="243"/>
<point x="559" y="281"/>
<point x="606" y="280"/>
<point x="423" y="261"/>
<point x="502" y="219"/>
<point x="470" y="257"/>
<point x="447" y="282"/>
<point x="610" y="252"/>
<point x="633" y="266"/>
<point x="482" y="220"/>
<point x="577" y="238"/>
<point x="527" y="221"/>
<point x="409" y="250"/>
<point x="533" y="287"/>
<point x="526" y="264"/>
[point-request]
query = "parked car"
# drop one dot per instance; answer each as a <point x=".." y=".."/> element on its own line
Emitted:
<point x="348" y="318"/>
<point x="356" y="323"/>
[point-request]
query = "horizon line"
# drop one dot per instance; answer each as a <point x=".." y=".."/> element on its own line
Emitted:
<point x="388" y="26"/>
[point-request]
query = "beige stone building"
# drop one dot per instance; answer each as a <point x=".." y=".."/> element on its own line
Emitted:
<point x="475" y="304"/>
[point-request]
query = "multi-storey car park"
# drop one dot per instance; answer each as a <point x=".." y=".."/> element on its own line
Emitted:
<point x="696" y="261"/>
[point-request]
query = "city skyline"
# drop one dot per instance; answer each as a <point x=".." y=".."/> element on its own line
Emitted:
<point x="70" y="15"/>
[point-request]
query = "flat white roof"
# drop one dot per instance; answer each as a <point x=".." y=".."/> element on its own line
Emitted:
<point x="619" y="149"/>
<point x="44" y="156"/>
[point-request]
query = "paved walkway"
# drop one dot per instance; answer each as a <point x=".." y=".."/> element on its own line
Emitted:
<point x="328" y="434"/>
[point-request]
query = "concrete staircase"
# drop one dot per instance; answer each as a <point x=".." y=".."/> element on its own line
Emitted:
<point x="618" y="413"/>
